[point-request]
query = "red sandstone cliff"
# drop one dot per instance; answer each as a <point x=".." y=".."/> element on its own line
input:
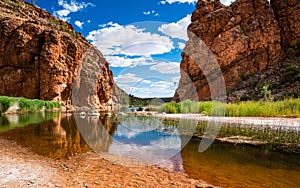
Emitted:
<point x="41" y="56"/>
<point x="245" y="38"/>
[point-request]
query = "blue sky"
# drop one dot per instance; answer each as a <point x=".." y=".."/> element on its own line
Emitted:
<point x="141" y="39"/>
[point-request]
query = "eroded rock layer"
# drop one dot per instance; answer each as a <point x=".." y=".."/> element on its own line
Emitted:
<point x="245" y="38"/>
<point x="40" y="56"/>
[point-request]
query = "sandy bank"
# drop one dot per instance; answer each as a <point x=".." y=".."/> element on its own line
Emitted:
<point x="21" y="168"/>
<point x="272" y="122"/>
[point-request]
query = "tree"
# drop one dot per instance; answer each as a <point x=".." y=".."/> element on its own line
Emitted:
<point x="266" y="93"/>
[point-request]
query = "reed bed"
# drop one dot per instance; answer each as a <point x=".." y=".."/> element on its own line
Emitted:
<point x="280" y="138"/>
<point x="287" y="107"/>
<point x="26" y="104"/>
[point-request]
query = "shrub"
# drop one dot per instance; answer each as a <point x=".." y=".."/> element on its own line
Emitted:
<point x="266" y="93"/>
<point x="290" y="73"/>
<point x="4" y="103"/>
<point x="290" y="51"/>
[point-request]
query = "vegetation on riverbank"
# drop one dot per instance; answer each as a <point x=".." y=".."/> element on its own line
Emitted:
<point x="281" y="138"/>
<point x="287" y="107"/>
<point x="22" y="104"/>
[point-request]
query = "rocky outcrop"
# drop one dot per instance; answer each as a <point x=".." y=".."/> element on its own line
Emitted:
<point x="245" y="37"/>
<point x="282" y="80"/>
<point x="41" y="56"/>
<point x="287" y="14"/>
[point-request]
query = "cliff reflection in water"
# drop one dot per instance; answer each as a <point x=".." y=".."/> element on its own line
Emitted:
<point x="53" y="134"/>
<point x="97" y="131"/>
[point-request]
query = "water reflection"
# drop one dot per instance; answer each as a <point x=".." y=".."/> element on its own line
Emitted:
<point x="144" y="139"/>
<point x="152" y="141"/>
<point x="51" y="134"/>
<point x="97" y="131"/>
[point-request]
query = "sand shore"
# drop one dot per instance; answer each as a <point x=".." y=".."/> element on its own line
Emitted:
<point x="19" y="167"/>
<point x="271" y="122"/>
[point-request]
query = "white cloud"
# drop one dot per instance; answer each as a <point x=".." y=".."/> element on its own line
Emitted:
<point x="68" y="8"/>
<point x="162" y="85"/>
<point x="146" y="82"/>
<point x="79" y="24"/>
<point x="146" y="87"/>
<point x="226" y="2"/>
<point x="179" y="1"/>
<point x="177" y="29"/>
<point x="147" y="13"/>
<point x="155" y="90"/>
<point x="166" y="68"/>
<point x="63" y="13"/>
<point x="181" y="45"/>
<point x="117" y="61"/>
<point x="127" y="78"/>
<point x="129" y="40"/>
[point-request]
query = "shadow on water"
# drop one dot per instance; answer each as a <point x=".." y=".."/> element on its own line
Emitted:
<point x="59" y="135"/>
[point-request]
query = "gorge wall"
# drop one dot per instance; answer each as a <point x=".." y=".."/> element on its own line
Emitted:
<point x="41" y="56"/>
<point x="245" y="38"/>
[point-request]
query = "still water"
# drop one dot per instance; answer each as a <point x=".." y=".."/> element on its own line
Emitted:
<point x="59" y="135"/>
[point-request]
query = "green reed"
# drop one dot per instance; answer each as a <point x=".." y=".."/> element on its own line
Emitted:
<point x="288" y="107"/>
<point x="26" y="104"/>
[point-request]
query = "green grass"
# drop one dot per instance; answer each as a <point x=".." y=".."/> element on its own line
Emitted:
<point x="287" y="107"/>
<point x="285" y="139"/>
<point x="26" y="104"/>
<point x="281" y="138"/>
<point x="188" y="106"/>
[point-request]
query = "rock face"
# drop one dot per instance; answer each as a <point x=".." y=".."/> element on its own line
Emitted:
<point x="41" y="56"/>
<point x="287" y="14"/>
<point x="245" y="37"/>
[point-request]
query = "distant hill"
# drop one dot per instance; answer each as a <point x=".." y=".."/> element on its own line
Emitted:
<point x="131" y="100"/>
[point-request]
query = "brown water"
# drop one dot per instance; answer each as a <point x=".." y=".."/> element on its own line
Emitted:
<point x="59" y="135"/>
<point x="230" y="165"/>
